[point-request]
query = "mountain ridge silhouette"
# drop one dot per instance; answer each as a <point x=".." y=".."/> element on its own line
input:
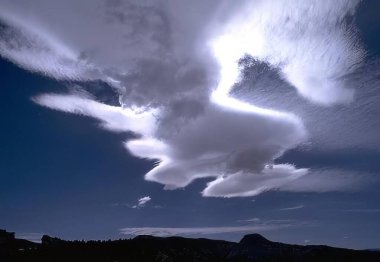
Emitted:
<point x="252" y="247"/>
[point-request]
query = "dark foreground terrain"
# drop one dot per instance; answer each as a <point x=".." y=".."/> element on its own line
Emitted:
<point x="148" y="248"/>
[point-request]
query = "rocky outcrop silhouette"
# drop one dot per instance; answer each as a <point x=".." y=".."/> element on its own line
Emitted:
<point x="251" y="248"/>
<point x="11" y="247"/>
<point x="255" y="247"/>
<point x="6" y="236"/>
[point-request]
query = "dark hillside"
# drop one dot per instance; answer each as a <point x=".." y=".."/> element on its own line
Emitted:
<point x="252" y="247"/>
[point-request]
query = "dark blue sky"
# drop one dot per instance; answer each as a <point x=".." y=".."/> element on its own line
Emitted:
<point x="62" y="175"/>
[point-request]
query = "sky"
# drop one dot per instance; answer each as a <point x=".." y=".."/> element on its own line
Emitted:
<point x="201" y="119"/>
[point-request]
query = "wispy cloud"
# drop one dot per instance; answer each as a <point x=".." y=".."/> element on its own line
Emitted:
<point x="280" y="222"/>
<point x="255" y="219"/>
<point x="142" y="201"/>
<point x="292" y="208"/>
<point x="255" y="225"/>
<point x="193" y="231"/>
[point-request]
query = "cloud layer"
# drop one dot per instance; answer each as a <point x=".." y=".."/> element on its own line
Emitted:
<point x="173" y="66"/>
<point x="200" y="231"/>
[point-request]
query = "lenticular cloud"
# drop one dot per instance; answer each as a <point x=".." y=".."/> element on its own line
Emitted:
<point x="173" y="65"/>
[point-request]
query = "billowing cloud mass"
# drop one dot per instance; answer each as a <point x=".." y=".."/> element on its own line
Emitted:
<point x="173" y="65"/>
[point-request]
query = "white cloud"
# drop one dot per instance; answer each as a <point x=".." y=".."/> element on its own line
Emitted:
<point x="144" y="49"/>
<point x="311" y="42"/>
<point x="287" y="178"/>
<point x="173" y="66"/>
<point x="214" y="153"/>
<point x="112" y="118"/>
<point x="245" y="184"/>
<point x="222" y="142"/>
<point x="142" y="201"/>
<point x="292" y="208"/>
<point x="27" y="44"/>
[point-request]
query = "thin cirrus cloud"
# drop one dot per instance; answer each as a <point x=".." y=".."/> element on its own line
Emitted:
<point x="292" y="208"/>
<point x="188" y="231"/>
<point x="173" y="67"/>
<point x="193" y="231"/>
<point x="254" y="225"/>
<point x="255" y="219"/>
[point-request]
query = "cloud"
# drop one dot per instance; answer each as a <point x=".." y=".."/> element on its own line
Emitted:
<point x="28" y="45"/>
<point x="133" y="46"/>
<point x="112" y="118"/>
<point x="214" y="154"/>
<point x="142" y="201"/>
<point x="292" y="208"/>
<point x="288" y="179"/>
<point x="255" y="225"/>
<point x="173" y="67"/>
<point x="332" y="130"/>
<point x="244" y="185"/>
<point x="194" y="231"/>
<point x="313" y="44"/>
<point x="255" y="219"/>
